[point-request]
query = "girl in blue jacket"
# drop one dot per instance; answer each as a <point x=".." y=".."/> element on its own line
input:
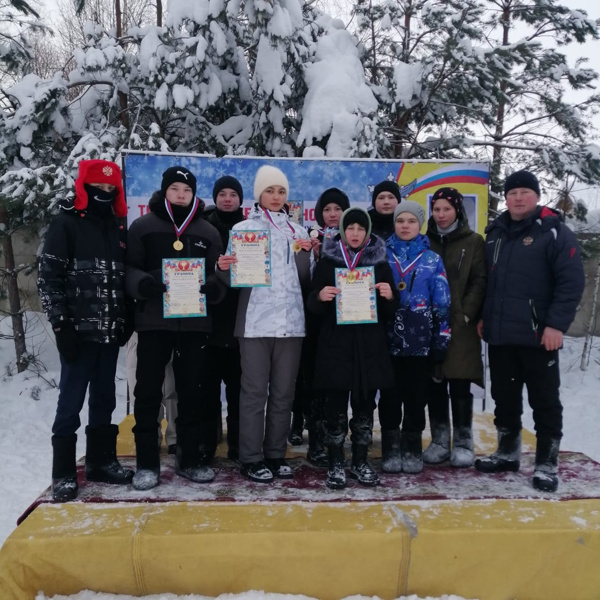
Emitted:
<point x="418" y="337"/>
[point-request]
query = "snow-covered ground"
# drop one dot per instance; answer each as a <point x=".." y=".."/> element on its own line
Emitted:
<point x="28" y="402"/>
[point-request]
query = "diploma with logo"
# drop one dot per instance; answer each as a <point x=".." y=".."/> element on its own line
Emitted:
<point x="253" y="252"/>
<point x="357" y="300"/>
<point x="183" y="278"/>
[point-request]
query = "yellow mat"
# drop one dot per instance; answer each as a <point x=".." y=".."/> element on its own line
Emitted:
<point x="326" y="551"/>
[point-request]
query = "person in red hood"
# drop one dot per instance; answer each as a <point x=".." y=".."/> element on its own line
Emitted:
<point x="81" y="285"/>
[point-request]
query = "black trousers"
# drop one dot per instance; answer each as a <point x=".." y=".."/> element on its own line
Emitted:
<point x="222" y="365"/>
<point x="336" y="417"/>
<point x="411" y="375"/>
<point x="153" y="353"/>
<point x="511" y="368"/>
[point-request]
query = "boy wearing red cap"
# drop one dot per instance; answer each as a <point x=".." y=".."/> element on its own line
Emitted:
<point x="81" y="284"/>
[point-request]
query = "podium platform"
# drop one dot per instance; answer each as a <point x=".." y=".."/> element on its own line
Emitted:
<point x="445" y="531"/>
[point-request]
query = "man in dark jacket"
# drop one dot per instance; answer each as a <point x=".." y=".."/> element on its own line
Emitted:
<point x="535" y="282"/>
<point x="172" y="229"/>
<point x="223" y="351"/>
<point x="81" y="283"/>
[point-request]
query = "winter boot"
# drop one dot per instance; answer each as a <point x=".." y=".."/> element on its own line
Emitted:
<point x="101" y="462"/>
<point x="360" y="468"/>
<point x="506" y="458"/>
<point x="148" y="463"/>
<point x="336" y="473"/>
<point x="412" y="452"/>
<point x="545" y="475"/>
<point x="64" y="470"/>
<point x="316" y="454"/>
<point x="391" y="455"/>
<point x="189" y="462"/>
<point x="463" y="453"/>
<point x="438" y="450"/>
<point x="295" y="436"/>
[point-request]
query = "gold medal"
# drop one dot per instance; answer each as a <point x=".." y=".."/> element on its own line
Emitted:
<point x="351" y="277"/>
<point x="401" y="286"/>
<point x="296" y="247"/>
<point x="178" y="245"/>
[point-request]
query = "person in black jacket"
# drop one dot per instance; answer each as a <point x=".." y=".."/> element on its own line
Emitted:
<point x="535" y="282"/>
<point x="385" y="199"/>
<point x="223" y="351"/>
<point x="172" y="229"/>
<point x="81" y="284"/>
<point x="352" y="359"/>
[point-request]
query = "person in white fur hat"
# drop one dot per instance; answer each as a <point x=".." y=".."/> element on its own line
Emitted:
<point x="270" y="327"/>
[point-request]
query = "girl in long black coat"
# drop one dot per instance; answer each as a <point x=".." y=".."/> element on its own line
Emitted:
<point x="351" y="358"/>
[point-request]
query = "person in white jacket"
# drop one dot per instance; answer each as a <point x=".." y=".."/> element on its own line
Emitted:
<point x="270" y="327"/>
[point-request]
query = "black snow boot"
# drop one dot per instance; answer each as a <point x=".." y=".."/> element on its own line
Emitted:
<point x="391" y="455"/>
<point x="412" y="452"/>
<point x="506" y="458"/>
<point x="545" y="475"/>
<point x="463" y="453"/>
<point x="189" y="462"/>
<point x="64" y="469"/>
<point x="148" y="462"/>
<point x="295" y="435"/>
<point x="336" y="474"/>
<point x="316" y="454"/>
<point x="360" y="469"/>
<point x="101" y="462"/>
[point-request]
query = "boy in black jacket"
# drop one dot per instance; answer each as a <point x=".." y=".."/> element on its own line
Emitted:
<point x="81" y="285"/>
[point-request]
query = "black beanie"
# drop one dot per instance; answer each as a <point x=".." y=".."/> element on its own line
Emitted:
<point x="178" y="175"/>
<point x="451" y="195"/>
<point x="330" y="196"/>
<point x="228" y="182"/>
<point x="522" y="179"/>
<point x="386" y="186"/>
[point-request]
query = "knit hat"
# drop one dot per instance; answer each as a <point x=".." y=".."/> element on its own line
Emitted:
<point x="386" y="186"/>
<point x="330" y="196"/>
<point x="451" y="195"/>
<point x="267" y="176"/>
<point x="100" y="171"/>
<point x="178" y="175"/>
<point x="228" y="182"/>
<point x="522" y="179"/>
<point x="410" y="206"/>
<point x="355" y="215"/>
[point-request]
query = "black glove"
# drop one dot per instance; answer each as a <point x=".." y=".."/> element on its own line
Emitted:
<point x="67" y="341"/>
<point x="212" y="289"/>
<point x="124" y="334"/>
<point x="150" y="288"/>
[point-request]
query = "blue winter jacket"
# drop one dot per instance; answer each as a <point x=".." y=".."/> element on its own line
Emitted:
<point x="421" y="326"/>
<point x="535" y="278"/>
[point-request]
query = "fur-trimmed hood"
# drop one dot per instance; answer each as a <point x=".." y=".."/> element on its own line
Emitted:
<point x="373" y="253"/>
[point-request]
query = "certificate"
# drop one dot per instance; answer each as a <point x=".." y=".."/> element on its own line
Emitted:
<point x="183" y="278"/>
<point x="296" y="211"/>
<point x="357" y="301"/>
<point x="253" y="252"/>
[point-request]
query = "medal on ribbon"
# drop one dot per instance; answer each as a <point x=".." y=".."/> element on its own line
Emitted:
<point x="351" y="264"/>
<point x="178" y="244"/>
<point x="351" y="278"/>
<point x="401" y="285"/>
<point x="296" y="247"/>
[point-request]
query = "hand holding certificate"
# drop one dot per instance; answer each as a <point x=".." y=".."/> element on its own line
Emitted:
<point x="183" y="278"/>
<point x="252" y="252"/>
<point x="356" y="301"/>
